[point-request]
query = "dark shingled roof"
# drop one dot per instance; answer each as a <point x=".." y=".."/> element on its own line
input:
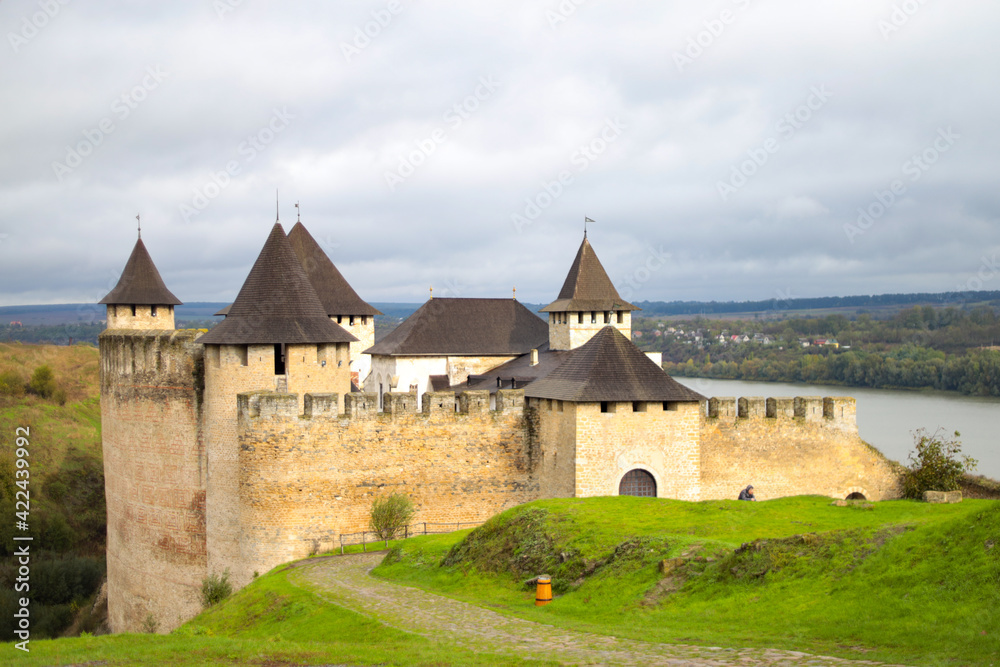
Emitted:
<point x="337" y="295"/>
<point x="224" y="311"/>
<point x="520" y="370"/>
<point x="609" y="367"/>
<point x="469" y="327"/>
<point x="140" y="282"/>
<point x="587" y="286"/>
<point x="276" y="304"/>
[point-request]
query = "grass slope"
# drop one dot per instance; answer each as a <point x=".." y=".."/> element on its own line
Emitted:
<point x="274" y="621"/>
<point x="895" y="581"/>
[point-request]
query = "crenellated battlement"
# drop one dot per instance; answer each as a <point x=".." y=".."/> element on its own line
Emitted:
<point x="836" y="411"/>
<point x="362" y="406"/>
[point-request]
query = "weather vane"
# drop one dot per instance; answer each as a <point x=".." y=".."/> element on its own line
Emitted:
<point x="277" y="211"/>
<point x="139" y="222"/>
<point x="298" y="213"/>
<point x="585" y="221"/>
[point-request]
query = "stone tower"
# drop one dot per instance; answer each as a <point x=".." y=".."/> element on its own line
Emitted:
<point x="140" y="300"/>
<point x="587" y="302"/>
<point x="276" y="337"/>
<point x="153" y="464"/>
<point x="341" y="302"/>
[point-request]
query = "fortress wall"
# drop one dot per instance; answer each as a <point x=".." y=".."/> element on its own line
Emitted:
<point x="790" y="446"/>
<point x="154" y="469"/>
<point x="307" y="372"/>
<point x="661" y="441"/>
<point x="304" y="479"/>
<point x="552" y="425"/>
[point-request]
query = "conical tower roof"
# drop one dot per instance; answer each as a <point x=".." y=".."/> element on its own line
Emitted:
<point x="609" y="367"/>
<point x="587" y="286"/>
<point x="336" y="294"/>
<point x="276" y="304"/>
<point x="140" y="282"/>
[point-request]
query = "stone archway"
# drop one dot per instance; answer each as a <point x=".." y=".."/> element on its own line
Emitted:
<point x="637" y="482"/>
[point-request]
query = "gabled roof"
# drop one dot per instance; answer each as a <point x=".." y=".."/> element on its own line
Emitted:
<point x="336" y="294"/>
<point x="276" y="304"/>
<point x="609" y="367"/>
<point x="466" y="327"/>
<point x="140" y="282"/>
<point x="587" y="286"/>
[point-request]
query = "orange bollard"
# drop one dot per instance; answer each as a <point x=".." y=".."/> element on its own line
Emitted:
<point x="543" y="590"/>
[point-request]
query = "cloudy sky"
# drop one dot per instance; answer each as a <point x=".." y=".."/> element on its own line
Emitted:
<point x="738" y="149"/>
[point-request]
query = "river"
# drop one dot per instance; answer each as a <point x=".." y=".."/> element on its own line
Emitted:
<point x="888" y="417"/>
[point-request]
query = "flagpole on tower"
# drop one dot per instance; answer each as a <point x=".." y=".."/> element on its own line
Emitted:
<point x="585" y="221"/>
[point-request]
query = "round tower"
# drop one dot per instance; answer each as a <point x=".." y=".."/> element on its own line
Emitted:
<point x="276" y="337"/>
<point x="153" y="466"/>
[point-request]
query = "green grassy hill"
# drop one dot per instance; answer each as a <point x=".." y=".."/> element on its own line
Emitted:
<point x="898" y="581"/>
<point x="893" y="581"/>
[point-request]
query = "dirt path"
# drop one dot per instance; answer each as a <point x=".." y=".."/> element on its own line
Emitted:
<point x="345" y="581"/>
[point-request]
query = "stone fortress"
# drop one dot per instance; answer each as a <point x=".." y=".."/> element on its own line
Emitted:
<point x="252" y="444"/>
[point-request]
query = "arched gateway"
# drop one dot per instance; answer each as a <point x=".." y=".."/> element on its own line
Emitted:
<point x="637" y="483"/>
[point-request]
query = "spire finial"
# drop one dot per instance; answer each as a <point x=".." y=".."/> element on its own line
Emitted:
<point x="139" y="223"/>
<point x="585" y="221"/>
<point x="432" y="291"/>
<point x="515" y="293"/>
<point x="298" y="213"/>
<point x="277" y="211"/>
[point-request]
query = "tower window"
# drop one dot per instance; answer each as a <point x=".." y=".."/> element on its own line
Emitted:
<point x="351" y="322"/>
<point x="607" y="318"/>
<point x="579" y="317"/>
<point x="133" y="311"/>
<point x="604" y="406"/>
<point x="621" y="317"/>
<point x="152" y="311"/>
<point x="593" y="317"/>
<point x="340" y="319"/>
<point x="279" y="359"/>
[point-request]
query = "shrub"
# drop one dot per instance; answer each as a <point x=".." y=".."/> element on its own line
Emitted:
<point x="215" y="589"/>
<point x="43" y="382"/>
<point x="11" y="383"/>
<point x="936" y="464"/>
<point x="389" y="514"/>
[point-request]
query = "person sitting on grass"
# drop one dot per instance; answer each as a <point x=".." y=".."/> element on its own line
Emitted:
<point x="747" y="494"/>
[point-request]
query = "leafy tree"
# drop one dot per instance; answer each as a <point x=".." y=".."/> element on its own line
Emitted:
<point x="389" y="514"/>
<point x="936" y="464"/>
